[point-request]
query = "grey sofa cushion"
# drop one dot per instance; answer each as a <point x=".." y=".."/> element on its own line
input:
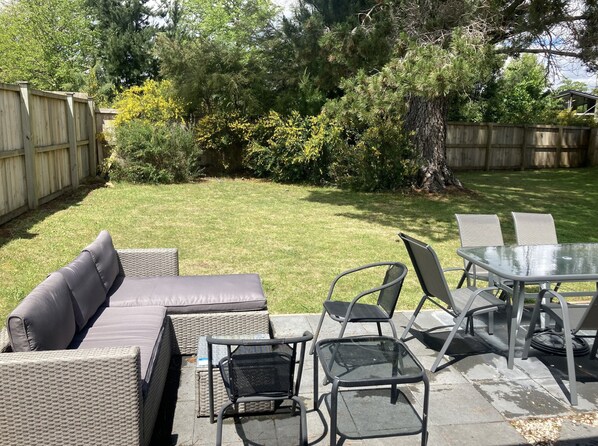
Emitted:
<point x="122" y="327"/>
<point x="86" y="287"/>
<point x="190" y="294"/>
<point x="105" y="257"/>
<point x="44" y="320"/>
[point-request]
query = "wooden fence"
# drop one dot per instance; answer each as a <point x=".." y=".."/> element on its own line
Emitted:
<point x="498" y="146"/>
<point x="47" y="145"/>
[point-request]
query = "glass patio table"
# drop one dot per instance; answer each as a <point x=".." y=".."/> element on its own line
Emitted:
<point x="512" y="267"/>
<point x="373" y="361"/>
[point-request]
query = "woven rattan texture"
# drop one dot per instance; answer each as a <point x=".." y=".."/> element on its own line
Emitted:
<point x="71" y="397"/>
<point x="4" y="341"/>
<point x="158" y="379"/>
<point x="202" y="396"/>
<point x="149" y="262"/>
<point x="189" y="327"/>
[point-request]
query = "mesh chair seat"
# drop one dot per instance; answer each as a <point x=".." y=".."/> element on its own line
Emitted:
<point x="337" y="310"/>
<point x="576" y="312"/>
<point x="484" y="301"/>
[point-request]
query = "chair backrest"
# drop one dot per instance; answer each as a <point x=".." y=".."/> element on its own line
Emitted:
<point x="479" y="230"/>
<point x="263" y="367"/>
<point x="534" y="229"/>
<point x="589" y="321"/>
<point x="393" y="282"/>
<point x="428" y="269"/>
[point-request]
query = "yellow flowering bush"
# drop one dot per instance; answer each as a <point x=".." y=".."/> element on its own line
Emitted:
<point x="153" y="102"/>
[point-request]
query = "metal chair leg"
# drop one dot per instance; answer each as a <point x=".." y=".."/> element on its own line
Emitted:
<point x="302" y="422"/>
<point x="412" y="320"/>
<point x="532" y="327"/>
<point x="444" y="348"/>
<point x="219" y="425"/>
<point x="313" y="344"/>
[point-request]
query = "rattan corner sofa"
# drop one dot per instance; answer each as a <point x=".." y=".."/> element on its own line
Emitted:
<point x="84" y="357"/>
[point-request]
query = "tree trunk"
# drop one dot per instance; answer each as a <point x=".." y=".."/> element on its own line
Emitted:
<point x="425" y="121"/>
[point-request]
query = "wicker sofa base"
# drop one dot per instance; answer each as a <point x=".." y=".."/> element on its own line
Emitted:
<point x="189" y="327"/>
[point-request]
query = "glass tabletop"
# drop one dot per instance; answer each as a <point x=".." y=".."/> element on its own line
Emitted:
<point x="564" y="262"/>
<point x="367" y="358"/>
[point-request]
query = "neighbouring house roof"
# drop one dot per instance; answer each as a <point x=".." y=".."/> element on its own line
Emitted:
<point x="576" y="93"/>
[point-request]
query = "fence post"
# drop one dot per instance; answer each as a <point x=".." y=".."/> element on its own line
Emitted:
<point x="523" y="147"/>
<point x="488" y="146"/>
<point x="72" y="134"/>
<point x="593" y="147"/>
<point x="30" y="167"/>
<point x="559" y="147"/>
<point x="91" y="136"/>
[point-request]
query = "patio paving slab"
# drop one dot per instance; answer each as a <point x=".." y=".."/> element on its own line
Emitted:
<point x="473" y="397"/>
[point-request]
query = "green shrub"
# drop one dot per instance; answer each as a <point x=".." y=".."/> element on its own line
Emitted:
<point x="222" y="138"/>
<point x="570" y="117"/>
<point x="291" y="149"/>
<point x="375" y="158"/>
<point x="148" y="153"/>
<point x="376" y="153"/>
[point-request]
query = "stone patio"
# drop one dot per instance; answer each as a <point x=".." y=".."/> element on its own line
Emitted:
<point x="473" y="398"/>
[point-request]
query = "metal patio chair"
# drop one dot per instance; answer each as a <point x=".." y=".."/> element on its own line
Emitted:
<point x="478" y="230"/>
<point x="460" y="303"/>
<point x="534" y="229"/>
<point x="572" y="319"/>
<point x="257" y="370"/>
<point x="345" y="312"/>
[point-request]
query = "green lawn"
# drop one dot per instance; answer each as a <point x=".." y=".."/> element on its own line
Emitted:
<point x="296" y="237"/>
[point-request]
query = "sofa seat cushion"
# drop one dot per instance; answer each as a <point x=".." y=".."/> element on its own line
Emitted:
<point x="123" y="327"/>
<point x="190" y="294"/>
<point x="45" y="319"/>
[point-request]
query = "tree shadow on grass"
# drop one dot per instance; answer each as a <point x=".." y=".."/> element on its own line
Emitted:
<point x="570" y="195"/>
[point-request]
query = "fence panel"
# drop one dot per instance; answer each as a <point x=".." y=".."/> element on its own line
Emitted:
<point x="47" y="144"/>
<point x="502" y="146"/>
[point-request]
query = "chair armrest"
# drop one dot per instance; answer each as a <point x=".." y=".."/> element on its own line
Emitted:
<point x="148" y="262"/>
<point x="354" y="270"/>
<point x="68" y="397"/>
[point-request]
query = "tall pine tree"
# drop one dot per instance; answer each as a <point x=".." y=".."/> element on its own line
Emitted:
<point x="126" y="36"/>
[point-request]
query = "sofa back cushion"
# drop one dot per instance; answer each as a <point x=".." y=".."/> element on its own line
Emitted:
<point x="85" y="286"/>
<point x="44" y="320"/>
<point x="105" y="258"/>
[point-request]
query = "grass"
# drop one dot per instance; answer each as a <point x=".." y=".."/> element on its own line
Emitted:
<point x="296" y="237"/>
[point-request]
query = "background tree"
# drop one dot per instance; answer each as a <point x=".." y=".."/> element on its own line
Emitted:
<point x="523" y="95"/>
<point x="513" y="27"/>
<point x="216" y="59"/>
<point x="47" y="43"/>
<point x="126" y="37"/>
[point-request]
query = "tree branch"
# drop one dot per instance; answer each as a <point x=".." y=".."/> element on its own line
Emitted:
<point x="538" y="51"/>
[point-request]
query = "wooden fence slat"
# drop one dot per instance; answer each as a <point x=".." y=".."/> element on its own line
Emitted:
<point x="72" y="135"/>
<point x="30" y="167"/>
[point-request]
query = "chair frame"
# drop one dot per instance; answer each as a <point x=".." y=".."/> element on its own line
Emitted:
<point x="298" y="342"/>
<point x="465" y="222"/>
<point x="346" y="319"/>
<point x="568" y="333"/>
<point x="448" y="307"/>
